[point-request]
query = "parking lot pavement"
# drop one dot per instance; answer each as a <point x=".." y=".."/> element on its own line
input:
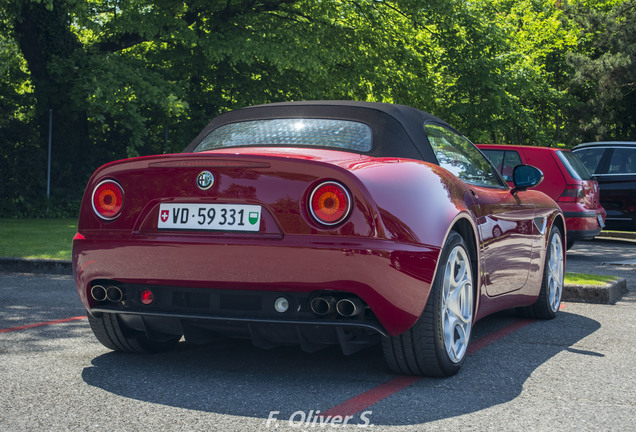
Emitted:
<point x="572" y="373"/>
<point x="604" y="257"/>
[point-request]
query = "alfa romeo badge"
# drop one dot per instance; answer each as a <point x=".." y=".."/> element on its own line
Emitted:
<point x="205" y="180"/>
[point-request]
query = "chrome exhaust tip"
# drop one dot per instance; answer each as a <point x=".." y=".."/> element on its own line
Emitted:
<point x="322" y="306"/>
<point x="114" y="294"/>
<point x="98" y="293"/>
<point x="349" y="307"/>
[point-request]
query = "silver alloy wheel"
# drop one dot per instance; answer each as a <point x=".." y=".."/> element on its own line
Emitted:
<point x="457" y="304"/>
<point x="555" y="273"/>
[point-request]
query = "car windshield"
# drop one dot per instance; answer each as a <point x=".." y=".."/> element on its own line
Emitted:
<point x="294" y="132"/>
<point x="574" y="166"/>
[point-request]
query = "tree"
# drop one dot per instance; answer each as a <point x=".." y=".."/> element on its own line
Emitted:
<point x="605" y="71"/>
<point x="122" y="75"/>
<point x="19" y="150"/>
<point x="117" y="73"/>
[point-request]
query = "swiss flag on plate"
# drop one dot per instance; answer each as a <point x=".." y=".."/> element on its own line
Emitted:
<point x="164" y="215"/>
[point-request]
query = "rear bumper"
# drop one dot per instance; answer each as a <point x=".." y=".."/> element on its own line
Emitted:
<point x="584" y="225"/>
<point x="392" y="279"/>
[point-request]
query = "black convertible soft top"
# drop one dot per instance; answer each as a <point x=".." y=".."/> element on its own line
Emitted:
<point x="398" y="130"/>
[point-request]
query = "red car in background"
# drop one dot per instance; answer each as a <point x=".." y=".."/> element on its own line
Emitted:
<point x="317" y="223"/>
<point x="566" y="180"/>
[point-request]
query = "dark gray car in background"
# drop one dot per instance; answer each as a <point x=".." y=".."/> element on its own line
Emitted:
<point x="613" y="165"/>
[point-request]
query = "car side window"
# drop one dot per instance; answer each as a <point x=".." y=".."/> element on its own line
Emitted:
<point x="459" y="156"/>
<point x="511" y="160"/>
<point x="623" y="161"/>
<point x="504" y="160"/>
<point x="591" y="158"/>
<point x="495" y="156"/>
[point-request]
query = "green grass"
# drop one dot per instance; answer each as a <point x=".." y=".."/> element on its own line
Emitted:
<point x="587" y="279"/>
<point x="37" y="238"/>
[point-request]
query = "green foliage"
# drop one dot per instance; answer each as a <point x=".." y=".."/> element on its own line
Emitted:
<point x="20" y="157"/>
<point x="605" y="70"/>
<point x="121" y="76"/>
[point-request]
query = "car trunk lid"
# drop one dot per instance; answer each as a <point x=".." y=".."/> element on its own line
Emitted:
<point x="263" y="193"/>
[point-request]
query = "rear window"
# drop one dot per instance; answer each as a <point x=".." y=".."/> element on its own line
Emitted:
<point x="590" y="157"/>
<point x="339" y="134"/>
<point x="574" y="166"/>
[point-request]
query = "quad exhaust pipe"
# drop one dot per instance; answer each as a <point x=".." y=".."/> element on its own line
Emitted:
<point x="328" y="305"/>
<point x="349" y="307"/>
<point x="112" y="293"/>
<point x="98" y="293"/>
<point x="323" y="306"/>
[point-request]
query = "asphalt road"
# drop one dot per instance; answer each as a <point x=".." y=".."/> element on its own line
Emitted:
<point x="605" y="257"/>
<point x="576" y="372"/>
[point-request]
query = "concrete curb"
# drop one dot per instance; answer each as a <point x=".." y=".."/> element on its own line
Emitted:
<point x="27" y="265"/>
<point x="616" y="235"/>
<point x="600" y="294"/>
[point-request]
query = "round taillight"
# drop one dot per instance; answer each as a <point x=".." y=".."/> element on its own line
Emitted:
<point x="108" y="198"/>
<point x="330" y="203"/>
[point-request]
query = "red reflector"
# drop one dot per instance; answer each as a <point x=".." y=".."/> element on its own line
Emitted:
<point x="147" y="297"/>
<point x="330" y="203"/>
<point x="108" y="198"/>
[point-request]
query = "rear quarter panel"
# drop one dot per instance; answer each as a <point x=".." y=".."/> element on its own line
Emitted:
<point x="416" y="202"/>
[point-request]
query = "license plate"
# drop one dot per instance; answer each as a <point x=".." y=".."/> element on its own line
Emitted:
<point x="214" y="217"/>
<point x="599" y="218"/>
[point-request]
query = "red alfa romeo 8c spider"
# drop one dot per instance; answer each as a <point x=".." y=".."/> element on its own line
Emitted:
<point x="317" y="223"/>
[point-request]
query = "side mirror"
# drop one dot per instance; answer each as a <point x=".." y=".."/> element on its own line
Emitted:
<point x="525" y="176"/>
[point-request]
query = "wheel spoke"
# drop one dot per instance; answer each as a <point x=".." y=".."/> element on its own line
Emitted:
<point x="457" y="304"/>
<point x="555" y="273"/>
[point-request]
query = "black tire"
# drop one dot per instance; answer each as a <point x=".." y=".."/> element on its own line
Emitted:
<point x="425" y="349"/>
<point x="114" y="335"/>
<point x="549" y="300"/>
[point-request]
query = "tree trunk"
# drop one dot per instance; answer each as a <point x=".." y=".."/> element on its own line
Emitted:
<point x="53" y="55"/>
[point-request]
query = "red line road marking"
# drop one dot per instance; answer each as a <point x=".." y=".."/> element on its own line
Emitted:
<point x="41" y="324"/>
<point x="363" y="401"/>
<point x="497" y="335"/>
<point x="370" y="397"/>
